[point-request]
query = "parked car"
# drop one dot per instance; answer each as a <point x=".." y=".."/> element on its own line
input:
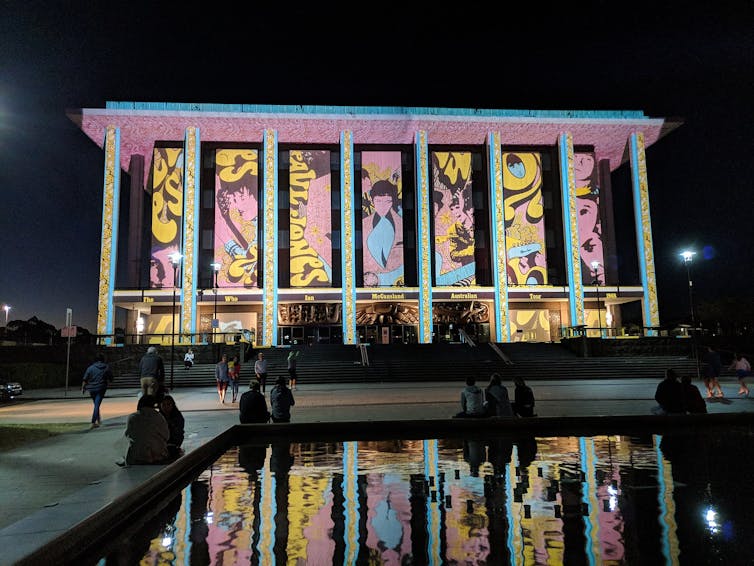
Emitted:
<point x="10" y="390"/>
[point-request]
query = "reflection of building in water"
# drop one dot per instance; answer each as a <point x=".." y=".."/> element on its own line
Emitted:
<point x="435" y="501"/>
<point x="410" y="211"/>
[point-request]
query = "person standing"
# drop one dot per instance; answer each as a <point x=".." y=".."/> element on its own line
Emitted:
<point x="292" y="375"/>
<point x="281" y="401"/>
<point x="523" y="398"/>
<point x="152" y="372"/>
<point x="234" y="373"/>
<point x="252" y="406"/>
<point x="472" y="401"/>
<point x="742" y="367"/>
<point x="176" y="425"/>
<point x="188" y="359"/>
<point x="712" y="373"/>
<point x="496" y="398"/>
<point x="260" y="370"/>
<point x="221" y="377"/>
<point x="96" y="379"/>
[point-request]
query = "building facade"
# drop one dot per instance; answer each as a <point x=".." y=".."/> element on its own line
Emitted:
<point x="297" y="224"/>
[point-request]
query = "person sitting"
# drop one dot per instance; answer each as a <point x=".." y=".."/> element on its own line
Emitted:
<point x="188" y="359"/>
<point x="496" y="398"/>
<point x="281" y="401"/>
<point x="176" y="424"/>
<point x="669" y="395"/>
<point x="523" y="399"/>
<point x="147" y="433"/>
<point x="253" y="406"/>
<point x="472" y="401"/>
<point x="693" y="402"/>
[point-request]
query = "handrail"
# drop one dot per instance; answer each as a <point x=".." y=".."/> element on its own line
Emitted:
<point x="466" y="338"/>
<point x="364" y="355"/>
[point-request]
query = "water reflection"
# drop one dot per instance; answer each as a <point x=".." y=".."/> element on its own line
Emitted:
<point x="676" y="499"/>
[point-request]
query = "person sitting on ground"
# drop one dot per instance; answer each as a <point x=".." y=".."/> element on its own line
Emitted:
<point x="188" y="359"/>
<point x="281" y="401"/>
<point x="147" y="433"/>
<point x="669" y="395"/>
<point x="523" y="399"/>
<point x="472" y="401"/>
<point x="693" y="402"/>
<point x="176" y="424"/>
<point x="496" y="398"/>
<point x="253" y="406"/>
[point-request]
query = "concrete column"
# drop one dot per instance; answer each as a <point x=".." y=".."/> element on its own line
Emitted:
<point x="191" y="209"/>
<point x="423" y="206"/>
<point x="347" y="238"/>
<point x="270" y="239"/>
<point x="497" y="232"/>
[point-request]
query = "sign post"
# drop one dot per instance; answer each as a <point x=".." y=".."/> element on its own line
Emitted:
<point x="68" y="324"/>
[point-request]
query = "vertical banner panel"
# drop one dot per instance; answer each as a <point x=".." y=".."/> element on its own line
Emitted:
<point x="382" y="218"/>
<point x="453" y="212"/>
<point x="526" y="254"/>
<point x="589" y="218"/>
<point x="167" y="214"/>
<point x="237" y="217"/>
<point x="311" y="218"/>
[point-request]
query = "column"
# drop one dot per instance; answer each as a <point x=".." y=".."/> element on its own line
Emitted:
<point x="109" y="245"/>
<point x="191" y="208"/>
<point x="650" y="314"/>
<point x="347" y="241"/>
<point x="497" y="237"/>
<point x="423" y="225"/>
<point x="269" y="237"/>
<point x="570" y="230"/>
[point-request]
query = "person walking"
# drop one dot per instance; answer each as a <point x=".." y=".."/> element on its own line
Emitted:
<point x="152" y="372"/>
<point x="96" y="379"/>
<point x="234" y="373"/>
<point x="260" y="370"/>
<point x="472" y="401"/>
<point x="176" y="425"/>
<point x="221" y="377"/>
<point x="252" y="406"/>
<point x="292" y="375"/>
<point x="669" y="395"/>
<point x="523" y="399"/>
<point x="496" y="398"/>
<point x="281" y="401"/>
<point x="188" y="359"/>
<point x="742" y="368"/>
<point x="712" y="373"/>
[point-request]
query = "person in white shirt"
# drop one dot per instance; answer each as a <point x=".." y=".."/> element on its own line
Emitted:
<point x="260" y="369"/>
<point x="188" y="359"/>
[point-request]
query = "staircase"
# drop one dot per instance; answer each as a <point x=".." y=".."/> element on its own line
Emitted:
<point x="334" y="363"/>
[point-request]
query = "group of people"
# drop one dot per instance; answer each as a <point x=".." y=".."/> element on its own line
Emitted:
<point x="228" y="374"/>
<point x="494" y="401"/>
<point x="676" y="396"/>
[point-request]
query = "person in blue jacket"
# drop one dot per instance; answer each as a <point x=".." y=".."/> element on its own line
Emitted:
<point x="96" y="379"/>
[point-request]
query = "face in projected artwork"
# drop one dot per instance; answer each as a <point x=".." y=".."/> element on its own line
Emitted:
<point x="589" y="218"/>
<point x="383" y="235"/>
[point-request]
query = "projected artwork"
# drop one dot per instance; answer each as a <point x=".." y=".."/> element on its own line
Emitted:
<point x="589" y="218"/>
<point x="382" y="218"/>
<point x="453" y="211"/>
<point x="311" y="218"/>
<point x="167" y="214"/>
<point x="236" y="217"/>
<point x="524" y="219"/>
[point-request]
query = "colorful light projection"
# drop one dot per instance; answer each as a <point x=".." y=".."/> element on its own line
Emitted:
<point x="453" y="212"/>
<point x="382" y="218"/>
<point x="589" y="218"/>
<point x="237" y="217"/>
<point x="167" y="214"/>
<point x="311" y="218"/>
<point x="526" y="254"/>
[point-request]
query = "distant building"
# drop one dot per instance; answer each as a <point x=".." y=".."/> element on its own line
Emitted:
<point x="372" y="224"/>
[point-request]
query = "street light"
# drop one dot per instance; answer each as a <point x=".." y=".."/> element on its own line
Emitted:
<point x="175" y="260"/>
<point x="6" y="308"/>
<point x="216" y="268"/>
<point x="596" y="283"/>
<point x="688" y="256"/>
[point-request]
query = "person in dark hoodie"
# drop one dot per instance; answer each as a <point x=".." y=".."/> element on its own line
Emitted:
<point x="96" y="379"/>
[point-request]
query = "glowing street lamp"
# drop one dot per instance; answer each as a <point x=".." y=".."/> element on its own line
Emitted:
<point x="688" y="257"/>
<point x="6" y="308"/>
<point x="175" y="260"/>
<point x="216" y="268"/>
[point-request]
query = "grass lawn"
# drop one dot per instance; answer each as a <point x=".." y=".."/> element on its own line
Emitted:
<point x="15" y="435"/>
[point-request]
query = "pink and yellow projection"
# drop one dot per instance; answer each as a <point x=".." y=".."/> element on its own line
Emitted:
<point x="311" y="218"/>
<point x="526" y="254"/>
<point x="382" y="218"/>
<point x="236" y="217"/>
<point x="453" y="213"/>
<point x="589" y="219"/>
<point x="167" y="214"/>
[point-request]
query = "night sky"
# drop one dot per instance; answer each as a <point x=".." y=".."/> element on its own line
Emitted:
<point x="687" y="61"/>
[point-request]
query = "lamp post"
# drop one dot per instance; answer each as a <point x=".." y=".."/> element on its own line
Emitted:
<point x="6" y="308"/>
<point x="175" y="260"/>
<point x="216" y="268"/>
<point x="688" y="256"/>
<point x="596" y="283"/>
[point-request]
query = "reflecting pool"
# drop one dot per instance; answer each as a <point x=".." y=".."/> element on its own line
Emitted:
<point x="672" y="499"/>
